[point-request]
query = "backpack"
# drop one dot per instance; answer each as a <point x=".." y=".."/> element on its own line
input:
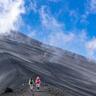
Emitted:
<point x="31" y="82"/>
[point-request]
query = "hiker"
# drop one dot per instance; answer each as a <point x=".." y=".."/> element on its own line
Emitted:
<point x="31" y="83"/>
<point x="37" y="83"/>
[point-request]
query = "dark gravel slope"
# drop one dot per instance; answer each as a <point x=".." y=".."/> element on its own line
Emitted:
<point x="22" y="57"/>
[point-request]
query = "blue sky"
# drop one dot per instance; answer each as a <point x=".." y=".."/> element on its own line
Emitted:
<point x="68" y="24"/>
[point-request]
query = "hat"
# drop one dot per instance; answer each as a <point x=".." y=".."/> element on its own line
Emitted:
<point x="38" y="77"/>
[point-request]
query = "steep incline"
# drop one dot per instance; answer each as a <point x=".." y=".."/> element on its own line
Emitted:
<point x="21" y="56"/>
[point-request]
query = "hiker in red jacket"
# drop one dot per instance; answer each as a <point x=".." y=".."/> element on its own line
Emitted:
<point x="38" y="83"/>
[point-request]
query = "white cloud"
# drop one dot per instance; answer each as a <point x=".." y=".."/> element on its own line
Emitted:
<point x="56" y="34"/>
<point x="10" y="12"/>
<point x="32" y="33"/>
<point x="48" y="21"/>
<point x="93" y="6"/>
<point x="90" y="8"/>
<point x="91" y="47"/>
<point x="32" y="6"/>
<point x="83" y="36"/>
<point x="60" y="39"/>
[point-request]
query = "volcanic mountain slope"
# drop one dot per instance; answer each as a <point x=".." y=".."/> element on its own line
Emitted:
<point x="21" y="57"/>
